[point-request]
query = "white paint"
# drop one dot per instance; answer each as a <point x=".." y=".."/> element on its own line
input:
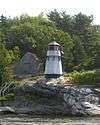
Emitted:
<point x="53" y="67"/>
<point x="53" y="53"/>
<point x="53" y="62"/>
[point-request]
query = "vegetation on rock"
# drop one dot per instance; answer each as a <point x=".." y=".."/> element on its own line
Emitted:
<point x="85" y="77"/>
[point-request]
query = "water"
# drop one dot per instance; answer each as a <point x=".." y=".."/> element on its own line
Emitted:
<point x="31" y="120"/>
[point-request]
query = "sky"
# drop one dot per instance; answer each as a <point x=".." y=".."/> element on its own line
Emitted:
<point x="14" y="8"/>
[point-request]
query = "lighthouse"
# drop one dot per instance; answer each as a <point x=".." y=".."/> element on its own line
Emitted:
<point x="53" y="66"/>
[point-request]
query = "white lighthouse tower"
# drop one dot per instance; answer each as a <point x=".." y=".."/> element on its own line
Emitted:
<point x="53" y="66"/>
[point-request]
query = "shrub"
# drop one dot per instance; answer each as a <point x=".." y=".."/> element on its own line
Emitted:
<point x="84" y="77"/>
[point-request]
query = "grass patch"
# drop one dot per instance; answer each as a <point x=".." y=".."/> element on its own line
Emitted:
<point x="7" y="97"/>
<point x="35" y="78"/>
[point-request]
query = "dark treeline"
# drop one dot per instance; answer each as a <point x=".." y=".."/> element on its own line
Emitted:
<point x="78" y="36"/>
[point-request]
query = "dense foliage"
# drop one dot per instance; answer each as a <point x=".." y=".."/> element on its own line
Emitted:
<point x="78" y="36"/>
<point x="5" y="59"/>
<point x="85" y="35"/>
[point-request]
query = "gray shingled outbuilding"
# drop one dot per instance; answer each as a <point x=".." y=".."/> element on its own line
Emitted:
<point x="28" y="65"/>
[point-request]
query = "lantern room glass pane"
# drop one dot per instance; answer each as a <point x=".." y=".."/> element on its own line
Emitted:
<point x="54" y="48"/>
<point x="51" y="47"/>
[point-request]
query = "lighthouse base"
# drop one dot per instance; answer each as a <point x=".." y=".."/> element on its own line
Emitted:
<point x="52" y="76"/>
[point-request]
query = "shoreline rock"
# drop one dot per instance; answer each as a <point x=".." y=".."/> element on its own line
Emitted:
<point x="55" y="97"/>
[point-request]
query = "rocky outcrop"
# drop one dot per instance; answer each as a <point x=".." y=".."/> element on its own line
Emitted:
<point x="82" y="101"/>
<point x="55" y="97"/>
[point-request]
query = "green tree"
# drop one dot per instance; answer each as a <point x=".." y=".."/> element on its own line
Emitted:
<point x="79" y="53"/>
<point x="4" y="65"/>
<point x="77" y="34"/>
<point x="21" y="36"/>
<point x="62" y="21"/>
